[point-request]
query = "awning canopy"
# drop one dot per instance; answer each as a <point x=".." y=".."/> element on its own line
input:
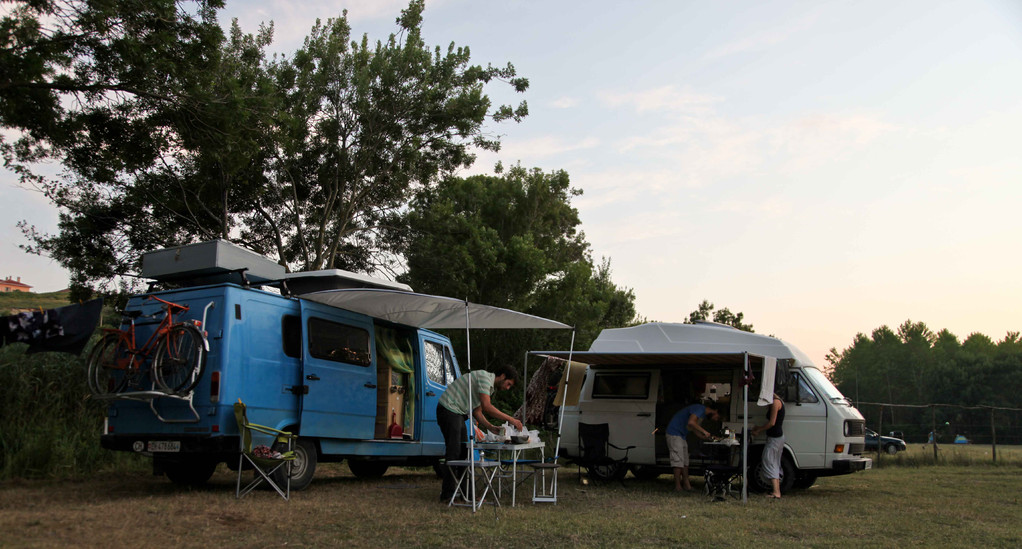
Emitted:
<point x="763" y="366"/>
<point x="597" y="360"/>
<point x="429" y="311"/>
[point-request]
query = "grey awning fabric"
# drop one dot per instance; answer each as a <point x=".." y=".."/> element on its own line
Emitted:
<point x="429" y="311"/>
<point x="765" y="366"/>
<point x="597" y="360"/>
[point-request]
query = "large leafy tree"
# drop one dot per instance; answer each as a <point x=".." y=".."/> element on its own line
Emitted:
<point x="156" y="116"/>
<point x="512" y="240"/>
<point x="171" y="131"/>
<point x="360" y="126"/>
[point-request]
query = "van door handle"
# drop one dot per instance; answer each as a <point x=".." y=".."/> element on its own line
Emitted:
<point x="370" y="385"/>
<point x="430" y="394"/>
<point x="644" y="414"/>
<point x="312" y="377"/>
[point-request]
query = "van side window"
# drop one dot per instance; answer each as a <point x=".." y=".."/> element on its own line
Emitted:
<point x="435" y="362"/>
<point x="805" y="392"/>
<point x="449" y="367"/>
<point x="621" y="385"/>
<point x="338" y="342"/>
<point x="291" y="330"/>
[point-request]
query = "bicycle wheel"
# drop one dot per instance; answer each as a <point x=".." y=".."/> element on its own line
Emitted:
<point x="108" y="362"/>
<point x="180" y="359"/>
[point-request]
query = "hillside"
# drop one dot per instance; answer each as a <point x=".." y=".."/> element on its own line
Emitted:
<point x="10" y="302"/>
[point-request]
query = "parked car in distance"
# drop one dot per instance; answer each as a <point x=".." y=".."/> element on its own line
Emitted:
<point x="890" y="445"/>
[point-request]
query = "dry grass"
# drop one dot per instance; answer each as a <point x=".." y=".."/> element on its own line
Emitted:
<point x="952" y="454"/>
<point x="894" y="506"/>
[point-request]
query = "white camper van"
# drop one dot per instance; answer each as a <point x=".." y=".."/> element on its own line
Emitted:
<point x="634" y="379"/>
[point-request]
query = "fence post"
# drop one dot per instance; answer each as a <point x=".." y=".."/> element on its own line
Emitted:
<point x="880" y="434"/>
<point x="993" y="435"/>
<point x="933" y="418"/>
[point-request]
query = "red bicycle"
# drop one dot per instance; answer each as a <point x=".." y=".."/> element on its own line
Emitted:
<point x="173" y="356"/>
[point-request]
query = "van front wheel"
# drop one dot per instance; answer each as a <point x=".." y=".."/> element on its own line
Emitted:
<point x="762" y="484"/>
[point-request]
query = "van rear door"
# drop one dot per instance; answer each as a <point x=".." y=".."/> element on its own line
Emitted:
<point x="339" y="370"/>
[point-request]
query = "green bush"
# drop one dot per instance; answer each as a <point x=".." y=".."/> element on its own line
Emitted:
<point x="49" y="425"/>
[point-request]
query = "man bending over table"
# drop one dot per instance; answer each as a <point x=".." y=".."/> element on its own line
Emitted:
<point x="471" y="391"/>
<point x="677" y="431"/>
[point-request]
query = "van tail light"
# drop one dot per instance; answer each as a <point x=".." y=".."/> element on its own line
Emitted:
<point x="214" y="387"/>
<point x="839" y="448"/>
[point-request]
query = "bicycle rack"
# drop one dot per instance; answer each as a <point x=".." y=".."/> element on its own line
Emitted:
<point x="151" y="396"/>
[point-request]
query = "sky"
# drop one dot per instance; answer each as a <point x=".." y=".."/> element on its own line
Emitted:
<point x="825" y="168"/>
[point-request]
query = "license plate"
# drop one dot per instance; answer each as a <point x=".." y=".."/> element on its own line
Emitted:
<point x="164" y="446"/>
<point x="869" y="464"/>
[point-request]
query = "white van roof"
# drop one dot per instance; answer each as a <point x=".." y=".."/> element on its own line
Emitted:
<point x="702" y="338"/>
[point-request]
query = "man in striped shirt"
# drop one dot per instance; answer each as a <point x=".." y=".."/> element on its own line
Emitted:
<point x="471" y="391"/>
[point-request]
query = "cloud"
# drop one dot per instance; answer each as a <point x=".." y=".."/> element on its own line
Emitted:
<point x="543" y="147"/>
<point x="764" y="39"/>
<point x="663" y="99"/>
<point x="564" y="103"/>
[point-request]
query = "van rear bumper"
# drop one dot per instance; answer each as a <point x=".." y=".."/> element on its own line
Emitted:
<point x="188" y="444"/>
<point x="842" y="466"/>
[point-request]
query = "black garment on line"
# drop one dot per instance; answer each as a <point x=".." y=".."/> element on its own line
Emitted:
<point x="61" y="330"/>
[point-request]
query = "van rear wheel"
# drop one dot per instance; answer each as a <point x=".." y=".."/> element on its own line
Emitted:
<point x="302" y="468"/>
<point x="364" y="468"/>
<point x="645" y="472"/>
<point x="608" y="471"/>
<point x="190" y="472"/>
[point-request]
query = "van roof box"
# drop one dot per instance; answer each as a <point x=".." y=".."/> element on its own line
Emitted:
<point x="210" y="262"/>
<point x="336" y="279"/>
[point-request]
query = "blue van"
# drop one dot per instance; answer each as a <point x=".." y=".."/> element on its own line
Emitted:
<point x="353" y="387"/>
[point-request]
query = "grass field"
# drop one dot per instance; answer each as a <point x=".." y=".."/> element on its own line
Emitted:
<point x="897" y="505"/>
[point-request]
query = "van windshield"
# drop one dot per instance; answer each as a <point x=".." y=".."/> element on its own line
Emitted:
<point x="828" y="388"/>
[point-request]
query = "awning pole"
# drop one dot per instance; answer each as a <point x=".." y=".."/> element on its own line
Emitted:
<point x="745" y="432"/>
<point x="564" y="397"/>
<point x="471" y="422"/>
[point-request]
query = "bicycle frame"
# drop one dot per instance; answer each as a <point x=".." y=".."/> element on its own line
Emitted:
<point x="138" y="355"/>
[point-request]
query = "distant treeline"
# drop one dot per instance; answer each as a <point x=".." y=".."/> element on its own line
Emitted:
<point x="914" y="365"/>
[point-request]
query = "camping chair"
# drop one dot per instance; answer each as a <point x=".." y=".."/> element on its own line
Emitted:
<point x="594" y="452"/>
<point x="264" y="461"/>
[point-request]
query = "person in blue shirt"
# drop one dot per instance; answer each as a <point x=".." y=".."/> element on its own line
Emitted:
<point x="677" y="430"/>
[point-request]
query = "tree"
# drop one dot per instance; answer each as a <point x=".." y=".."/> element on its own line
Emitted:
<point x="360" y="126"/>
<point x="721" y="316"/>
<point x="153" y="113"/>
<point x="513" y="241"/>
<point x="178" y="133"/>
